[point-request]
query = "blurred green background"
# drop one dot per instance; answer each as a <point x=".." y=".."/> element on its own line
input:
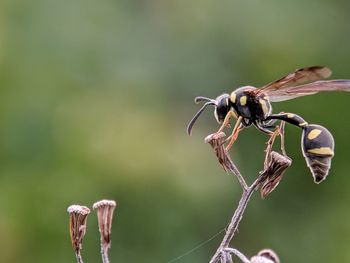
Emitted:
<point x="95" y="99"/>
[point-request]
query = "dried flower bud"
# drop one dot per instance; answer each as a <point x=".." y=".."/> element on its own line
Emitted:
<point x="217" y="140"/>
<point x="273" y="173"/>
<point x="265" y="256"/>
<point x="77" y="225"/>
<point x="105" y="209"/>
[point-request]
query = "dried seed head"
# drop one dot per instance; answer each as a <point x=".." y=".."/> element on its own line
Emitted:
<point x="105" y="209"/>
<point x="216" y="140"/>
<point x="273" y="173"/>
<point x="77" y="224"/>
<point x="265" y="256"/>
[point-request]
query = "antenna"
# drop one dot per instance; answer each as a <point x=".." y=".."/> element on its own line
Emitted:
<point x="195" y="117"/>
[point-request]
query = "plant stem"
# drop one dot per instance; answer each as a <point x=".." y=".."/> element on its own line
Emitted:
<point x="242" y="257"/>
<point x="236" y="219"/>
<point x="78" y="257"/>
<point x="104" y="254"/>
<point x="216" y="141"/>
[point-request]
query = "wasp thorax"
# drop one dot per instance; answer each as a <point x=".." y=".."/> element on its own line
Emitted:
<point x="318" y="149"/>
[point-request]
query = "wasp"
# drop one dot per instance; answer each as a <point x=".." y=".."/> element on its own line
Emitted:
<point x="251" y="106"/>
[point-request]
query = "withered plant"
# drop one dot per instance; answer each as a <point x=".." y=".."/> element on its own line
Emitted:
<point x="274" y="167"/>
<point x="77" y="228"/>
<point x="78" y="224"/>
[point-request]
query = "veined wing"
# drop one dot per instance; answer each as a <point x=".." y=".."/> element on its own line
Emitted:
<point x="288" y="93"/>
<point x="298" y="77"/>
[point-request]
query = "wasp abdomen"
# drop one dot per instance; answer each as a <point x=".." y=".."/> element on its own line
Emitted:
<point x="318" y="149"/>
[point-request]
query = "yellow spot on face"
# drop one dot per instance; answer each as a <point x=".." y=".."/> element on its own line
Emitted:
<point x="322" y="151"/>
<point x="290" y="115"/>
<point x="264" y="106"/>
<point x="303" y="124"/>
<point x="233" y="97"/>
<point x="243" y="100"/>
<point x="313" y="134"/>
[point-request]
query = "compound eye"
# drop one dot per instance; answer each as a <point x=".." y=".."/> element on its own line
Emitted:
<point x="220" y="113"/>
<point x="222" y="107"/>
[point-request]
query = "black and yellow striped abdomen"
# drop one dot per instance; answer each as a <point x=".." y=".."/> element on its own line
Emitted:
<point x="318" y="149"/>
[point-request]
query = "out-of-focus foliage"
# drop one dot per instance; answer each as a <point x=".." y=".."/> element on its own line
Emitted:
<point x="95" y="98"/>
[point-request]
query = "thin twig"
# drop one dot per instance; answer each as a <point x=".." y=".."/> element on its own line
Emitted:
<point x="237" y="216"/>
<point x="228" y="258"/>
<point x="236" y="219"/>
<point x="78" y="257"/>
<point x="216" y="141"/>
<point x="104" y="254"/>
<point x="238" y="254"/>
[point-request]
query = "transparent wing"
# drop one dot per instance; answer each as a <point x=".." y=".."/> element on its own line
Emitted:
<point x="298" y="77"/>
<point x="289" y="93"/>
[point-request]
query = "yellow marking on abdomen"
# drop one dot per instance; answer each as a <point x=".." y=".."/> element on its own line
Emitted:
<point x="243" y="100"/>
<point x="322" y="151"/>
<point x="303" y="124"/>
<point x="233" y="97"/>
<point x="314" y="134"/>
<point x="264" y="106"/>
<point x="290" y="115"/>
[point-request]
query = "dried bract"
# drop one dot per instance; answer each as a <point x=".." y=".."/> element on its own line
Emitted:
<point x="77" y="225"/>
<point x="217" y="140"/>
<point x="273" y="173"/>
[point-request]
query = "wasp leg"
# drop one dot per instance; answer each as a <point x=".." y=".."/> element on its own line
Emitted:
<point x="241" y="127"/>
<point x="290" y="118"/>
<point x="234" y="134"/>
<point x="279" y="131"/>
<point x="226" y="121"/>
<point x="282" y="138"/>
<point x="270" y="143"/>
<point x="266" y="128"/>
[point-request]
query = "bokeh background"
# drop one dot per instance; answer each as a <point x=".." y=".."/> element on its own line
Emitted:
<point x="95" y="99"/>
